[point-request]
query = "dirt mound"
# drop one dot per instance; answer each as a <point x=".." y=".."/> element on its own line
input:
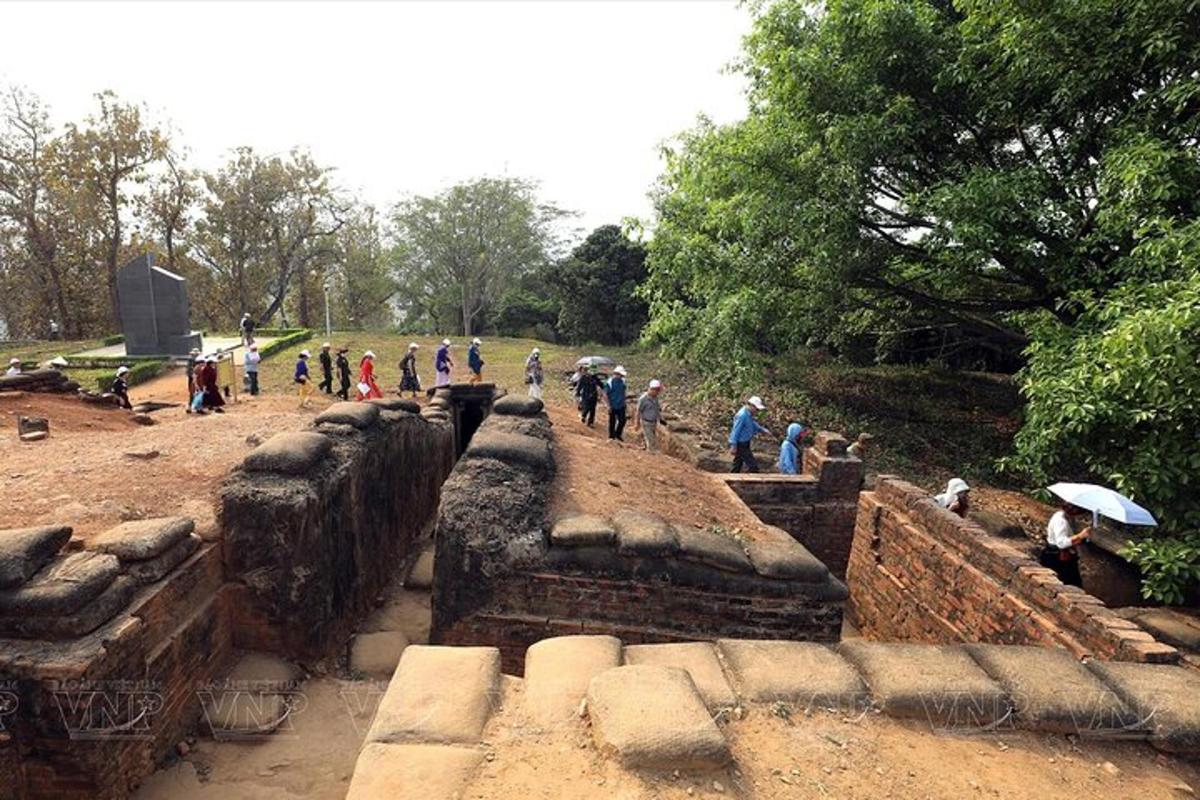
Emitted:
<point x="67" y="414"/>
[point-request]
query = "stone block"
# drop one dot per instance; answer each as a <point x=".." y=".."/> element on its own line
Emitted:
<point x="27" y="425"/>
<point x="512" y="405"/>
<point x="582" y="530"/>
<point x="698" y="659"/>
<point x="939" y="684"/>
<point x="803" y="673"/>
<point x="396" y="404"/>
<point x="558" y="671"/>
<point x="640" y="534"/>
<point x="439" y="695"/>
<point x="651" y="716"/>
<point x="63" y="587"/>
<point x="428" y="771"/>
<point x="143" y="539"/>
<point x="358" y="415"/>
<point x="24" y="551"/>
<point x="1051" y="691"/>
<point x="712" y="549"/>
<point x="34" y="436"/>
<point x="1166" y="698"/>
<point x="786" y="559"/>
<point x="293" y="453"/>
<point x="829" y="443"/>
<point x="513" y="449"/>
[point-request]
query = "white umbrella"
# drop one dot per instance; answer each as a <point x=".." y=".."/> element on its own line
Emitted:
<point x="1100" y="500"/>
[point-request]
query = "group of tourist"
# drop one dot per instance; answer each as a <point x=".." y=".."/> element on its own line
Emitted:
<point x="204" y="390"/>
<point x="591" y="388"/>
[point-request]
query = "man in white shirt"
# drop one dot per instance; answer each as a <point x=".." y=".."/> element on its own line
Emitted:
<point x="1060" y="554"/>
<point x="14" y="367"/>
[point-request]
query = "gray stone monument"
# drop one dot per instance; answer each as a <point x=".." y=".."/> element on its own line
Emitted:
<point x="154" y="310"/>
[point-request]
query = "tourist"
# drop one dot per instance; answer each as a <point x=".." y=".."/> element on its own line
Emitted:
<point x="409" y="382"/>
<point x="120" y="387"/>
<point x="533" y="373"/>
<point x="367" y="388"/>
<point x="302" y="379"/>
<point x="246" y="326"/>
<point x="475" y="361"/>
<point x="1060" y="553"/>
<point x="208" y="383"/>
<point x="53" y="329"/>
<point x="589" y="394"/>
<point x="343" y="371"/>
<point x="250" y="367"/>
<point x="442" y="364"/>
<point x="648" y="415"/>
<point x="326" y="384"/>
<point x="193" y="358"/>
<point x="614" y="398"/>
<point x="576" y="383"/>
<point x="789" y="451"/>
<point x="745" y="428"/>
<point x="859" y="447"/>
<point x="956" y="498"/>
<point x="14" y="367"/>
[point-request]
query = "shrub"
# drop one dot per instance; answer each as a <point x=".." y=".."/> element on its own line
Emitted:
<point x="139" y="372"/>
<point x="109" y="341"/>
<point x="287" y="338"/>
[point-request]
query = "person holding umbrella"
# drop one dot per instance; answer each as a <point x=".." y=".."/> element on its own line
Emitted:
<point x="1060" y="554"/>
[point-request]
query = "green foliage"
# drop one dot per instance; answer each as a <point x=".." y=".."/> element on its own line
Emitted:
<point x="596" y="289"/>
<point x="1170" y="567"/>
<point x="287" y="339"/>
<point x="526" y="308"/>
<point x="139" y="372"/>
<point x="109" y="341"/>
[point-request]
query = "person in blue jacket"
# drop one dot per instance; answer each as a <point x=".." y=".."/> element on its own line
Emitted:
<point x="614" y="398"/>
<point x="475" y="361"/>
<point x="789" y="451"/>
<point x="745" y="428"/>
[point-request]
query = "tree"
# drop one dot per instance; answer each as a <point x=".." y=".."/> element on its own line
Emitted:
<point x="471" y="240"/>
<point x="917" y="163"/>
<point x="596" y="289"/>
<point x="361" y="276"/>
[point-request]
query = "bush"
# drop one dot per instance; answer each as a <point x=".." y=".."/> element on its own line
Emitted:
<point x="287" y="338"/>
<point x="139" y="372"/>
<point x="109" y="341"/>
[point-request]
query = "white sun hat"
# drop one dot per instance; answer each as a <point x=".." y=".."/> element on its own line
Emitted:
<point x="446" y="342"/>
<point x="326" y="346"/>
<point x="14" y="361"/>
<point x="368" y="354"/>
<point x="122" y="370"/>
<point x="305" y="353"/>
<point x="957" y="486"/>
<point x="413" y="345"/>
<point x="656" y="384"/>
<point x="757" y="402"/>
<point x="476" y="341"/>
<point x="620" y="371"/>
<point x="537" y="351"/>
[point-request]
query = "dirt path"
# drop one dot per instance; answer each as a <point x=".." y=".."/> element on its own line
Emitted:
<point x="600" y="476"/>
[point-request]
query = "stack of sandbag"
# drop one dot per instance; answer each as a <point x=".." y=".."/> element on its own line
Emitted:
<point x="38" y="380"/>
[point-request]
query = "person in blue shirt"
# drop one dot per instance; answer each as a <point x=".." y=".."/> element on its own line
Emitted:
<point x="789" y="451"/>
<point x="475" y="361"/>
<point x="745" y="428"/>
<point x="442" y="364"/>
<point x="614" y="398"/>
<point x="304" y="385"/>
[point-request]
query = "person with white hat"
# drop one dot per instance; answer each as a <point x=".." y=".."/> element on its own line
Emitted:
<point x="533" y="373"/>
<point x="648" y="415"/>
<point x="193" y="359"/>
<point x="246" y="326"/>
<point x="368" y="389"/>
<point x="409" y="381"/>
<point x="475" y="361"/>
<point x="442" y="364"/>
<point x="956" y="498"/>
<point x="120" y="387"/>
<point x="14" y="367"/>
<point x="745" y="428"/>
<point x="343" y="370"/>
<point x="209" y="385"/>
<point x="326" y="384"/>
<point x="250" y="367"/>
<point x="614" y="398"/>
<point x="302" y="379"/>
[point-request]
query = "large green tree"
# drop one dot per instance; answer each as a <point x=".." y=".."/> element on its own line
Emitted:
<point x="596" y="289"/>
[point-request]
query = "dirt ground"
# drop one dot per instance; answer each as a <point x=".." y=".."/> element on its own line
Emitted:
<point x="84" y="475"/>
<point x="599" y="476"/>
<point x="827" y="755"/>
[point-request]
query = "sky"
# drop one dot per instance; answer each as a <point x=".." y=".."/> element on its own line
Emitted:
<point x="404" y="97"/>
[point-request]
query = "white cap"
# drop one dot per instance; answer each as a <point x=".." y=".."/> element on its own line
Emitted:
<point x="537" y="351"/>
<point x="255" y="347"/>
<point x="757" y="402"/>
<point x="620" y="371"/>
<point x="246" y="314"/>
<point x="446" y="342"/>
<point x="413" y="345"/>
<point x="195" y="351"/>
<point x="122" y="370"/>
<point x="368" y="354"/>
<point x="957" y="486"/>
<point x="656" y="384"/>
<point x="14" y="361"/>
<point x="476" y="341"/>
<point x="305" y="353"/>
<point x="326" y="346"/>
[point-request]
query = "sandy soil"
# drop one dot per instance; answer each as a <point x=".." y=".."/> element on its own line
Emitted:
<point x="81" y="475"/>
<point x="600" y="476"/>
<point x="831" y="756"/>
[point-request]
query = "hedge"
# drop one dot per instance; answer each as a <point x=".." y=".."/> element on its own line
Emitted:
<point x="109" y="341"/>
<point x="111" y="362"/>
<point x="139" y="372"/>
<point x="287" y="338"/>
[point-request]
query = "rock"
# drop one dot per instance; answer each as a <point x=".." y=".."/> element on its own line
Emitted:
<point x="359" y="415"/>
<point x="1166" y="696"/>
<point x="412" y="770"/>
<point x="517" y="406"/>
<point x="143" y="539"/>
<point x="141" y="455"/>
<point x="153" y="569"/>
<point x="805" y="673"/>
<point x="559" y="670"/>
<point x="254" y="440"/>
<point x="377" y="654"/>
<point x="27" y="425"/>
<point x="24" y="551"/>
<point x="787" y="559"/>
<point x="183" y="749"/>
<point x="89" y="615"/>
<point x="1111" y="768"/>
<point x="34" y="436"/>
<point x="142" y="419"/>
<point x="293" y="453"/>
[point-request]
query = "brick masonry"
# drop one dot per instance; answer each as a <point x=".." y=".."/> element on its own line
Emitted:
<point x="920" y="573"/>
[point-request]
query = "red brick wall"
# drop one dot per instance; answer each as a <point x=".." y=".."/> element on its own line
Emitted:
<point x="919" y="573"/>
<point x="528" y="607"/>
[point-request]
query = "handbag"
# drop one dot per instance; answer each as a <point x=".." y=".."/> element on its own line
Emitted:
<point x="364" y="388"/>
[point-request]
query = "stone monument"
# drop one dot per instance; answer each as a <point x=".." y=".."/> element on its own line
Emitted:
<point x="154" y="310"/>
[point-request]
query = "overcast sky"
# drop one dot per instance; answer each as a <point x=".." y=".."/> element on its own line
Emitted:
<point x="403" y="97"/>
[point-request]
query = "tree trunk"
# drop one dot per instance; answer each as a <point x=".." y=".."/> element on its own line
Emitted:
<point x="114" y="249"/>
<point x="305" y="316"/>
<point x="466" y="312"/>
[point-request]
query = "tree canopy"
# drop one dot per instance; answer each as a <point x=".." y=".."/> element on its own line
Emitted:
<point x="596" y="289"/>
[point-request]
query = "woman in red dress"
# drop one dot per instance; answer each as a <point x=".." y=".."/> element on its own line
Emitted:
<point x="366" y="378"/>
